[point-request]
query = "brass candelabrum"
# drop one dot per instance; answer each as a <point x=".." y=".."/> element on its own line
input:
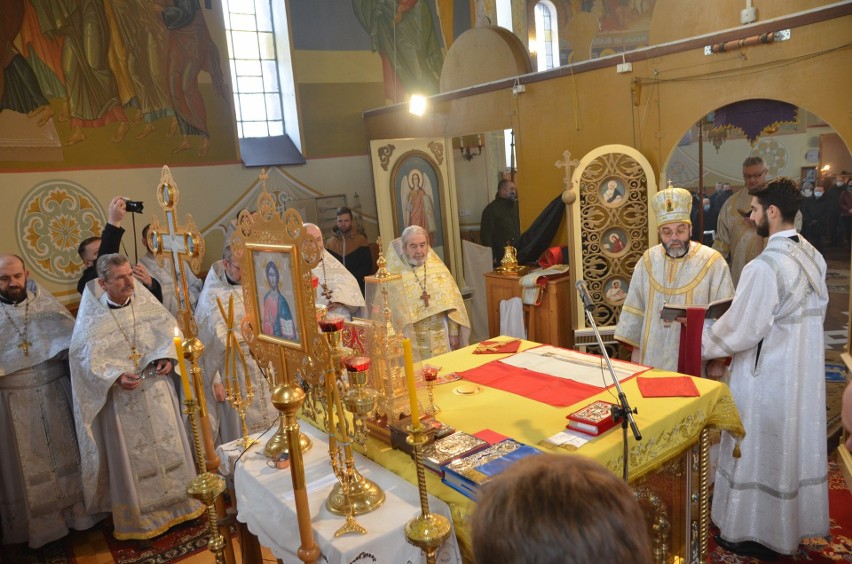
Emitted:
<point x="353" y="494"/>
<point x="279" y="444"/>
<point x="205" y="486"/>
<point x="359" y="400"/>
<point x="240" y="397"/>
<point x="427" y="531"/>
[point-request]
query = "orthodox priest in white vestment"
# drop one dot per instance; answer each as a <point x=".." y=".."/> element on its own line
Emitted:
<point x="41" y="492"/>
<point x="222" y="282"/>
<point x="434" y="302"/>
<point x="685" y="273"/>
<point x="337" y="288"/>
<point x="776" y="493"/>
<point x="136" y="457"/>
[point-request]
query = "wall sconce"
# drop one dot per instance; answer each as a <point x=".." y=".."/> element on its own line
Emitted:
<point x="470" y="146"/>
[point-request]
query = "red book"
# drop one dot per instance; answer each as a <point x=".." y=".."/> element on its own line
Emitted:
<point x="594" y="419"/>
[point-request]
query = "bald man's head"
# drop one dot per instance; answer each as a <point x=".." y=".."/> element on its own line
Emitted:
<point x="13" y="278"/>
<point x="315" y="233"/>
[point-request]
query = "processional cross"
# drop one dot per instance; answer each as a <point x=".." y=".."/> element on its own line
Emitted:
<point x="184" y="243"/>
<point x="567" y="164"/>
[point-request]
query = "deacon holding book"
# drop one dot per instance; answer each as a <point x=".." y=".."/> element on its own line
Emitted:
<point x="136" y="458"/>
<point x="338" y="289"/>
<point x="41" y="491"/>
<point x="431" y="295"/>
<point x="224" y="281"/>
<point x="677" y="271"/>
<point x="776" y="492"/>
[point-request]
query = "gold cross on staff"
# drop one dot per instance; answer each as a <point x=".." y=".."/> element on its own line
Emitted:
<point x="183" y="243"/>
<point x="25" y="345"/>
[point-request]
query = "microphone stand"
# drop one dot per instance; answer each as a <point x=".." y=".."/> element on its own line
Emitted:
<point x="622" y="412"/>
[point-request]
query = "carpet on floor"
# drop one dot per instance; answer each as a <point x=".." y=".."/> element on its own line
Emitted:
<point x="834" y="547"/>
<point x="178" y="543"/>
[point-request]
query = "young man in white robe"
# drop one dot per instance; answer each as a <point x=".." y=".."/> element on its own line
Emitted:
<point x="41" y="491"/>
<point x="135" y="455"/>
<point x="337" y="288"/>
<point x="776" y="492"/>
<point x="676" y="271"/>
<point x="223" y="281"/>
<point x="439" y="319"/>
<point x="164" y="275"/>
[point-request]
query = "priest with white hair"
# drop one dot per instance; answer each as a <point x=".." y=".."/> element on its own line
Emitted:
<point x="337" y="288"/>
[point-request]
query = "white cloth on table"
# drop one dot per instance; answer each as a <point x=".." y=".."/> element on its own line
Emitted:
<point x="265" y="503"/>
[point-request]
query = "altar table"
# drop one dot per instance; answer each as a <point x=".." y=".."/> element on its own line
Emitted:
<point x="670" y="427"/>
<point x="264" y="499"/>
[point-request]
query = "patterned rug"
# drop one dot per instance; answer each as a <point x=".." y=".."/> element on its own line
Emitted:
<point x="178" y="543"/>
<point x="834" y="547"/>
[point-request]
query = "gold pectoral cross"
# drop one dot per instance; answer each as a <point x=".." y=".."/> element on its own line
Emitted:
<point x="425" y="297"/>
<point x="25" y="345"/>
<point x="326" y="291"/>
<point x="135" y="357"/>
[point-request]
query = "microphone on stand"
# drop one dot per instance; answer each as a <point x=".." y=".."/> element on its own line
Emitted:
<point x="588" y="305"/>
<point x="623" y="412"/>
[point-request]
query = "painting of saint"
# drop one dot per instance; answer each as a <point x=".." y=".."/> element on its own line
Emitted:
<point x="416" y="190"/>
<point x="277" y="319"/>
<point x="612" y="192"/>
<point x="614" y="241"/>
<point x="616" y="293"/>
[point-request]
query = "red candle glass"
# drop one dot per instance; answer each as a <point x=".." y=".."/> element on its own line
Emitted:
<point x="357" y="363"/>
<point x="430" y="373"/>
<point x="331" y="323"/>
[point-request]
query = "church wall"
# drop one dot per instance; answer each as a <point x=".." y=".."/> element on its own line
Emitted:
<point x="586" y="110"/>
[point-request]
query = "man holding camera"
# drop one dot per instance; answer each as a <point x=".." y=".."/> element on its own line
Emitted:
<point x="109" y="242"/>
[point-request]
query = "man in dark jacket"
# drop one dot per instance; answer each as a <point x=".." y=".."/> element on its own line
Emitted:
<point x="501" y="222"/>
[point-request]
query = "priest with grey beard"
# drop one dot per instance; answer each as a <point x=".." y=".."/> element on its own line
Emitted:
<point x="135" y="453"/>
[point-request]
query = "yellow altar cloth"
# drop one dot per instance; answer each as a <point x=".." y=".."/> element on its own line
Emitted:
<point x="669" y="426"/>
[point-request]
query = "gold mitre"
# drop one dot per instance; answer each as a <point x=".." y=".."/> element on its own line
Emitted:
<point x="672" y="205"/>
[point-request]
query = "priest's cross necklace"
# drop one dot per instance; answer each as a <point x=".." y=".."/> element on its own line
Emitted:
<point x="24" y="345"/>
<point x="134" y="354"/>
<point x="425" y="295"/>
<point x="326" y="291"/>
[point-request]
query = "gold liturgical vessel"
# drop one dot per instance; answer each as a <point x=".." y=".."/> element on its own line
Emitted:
<point x="387" y="375"/>
<point x="353" y="494"/>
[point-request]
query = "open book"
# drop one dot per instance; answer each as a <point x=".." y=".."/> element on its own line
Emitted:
<point x="713" y="310"/>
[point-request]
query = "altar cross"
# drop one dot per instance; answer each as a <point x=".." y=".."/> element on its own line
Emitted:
<point x="183" y="243"/>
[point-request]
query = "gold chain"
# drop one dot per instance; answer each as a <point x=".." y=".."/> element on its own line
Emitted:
<point x="134" y="354"/>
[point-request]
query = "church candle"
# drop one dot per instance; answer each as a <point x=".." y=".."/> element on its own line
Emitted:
<point x="184" y="375"/>
<point x="412" y="385"/>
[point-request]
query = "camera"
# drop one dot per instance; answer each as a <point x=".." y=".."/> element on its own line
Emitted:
<point x="133" y="207"/>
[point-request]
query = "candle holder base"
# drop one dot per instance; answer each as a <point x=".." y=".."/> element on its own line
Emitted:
<point x="364" y="496"/>
<point x="350" y="526"/>
<point x="428" y="532"/>
<point x="278" y="445"/>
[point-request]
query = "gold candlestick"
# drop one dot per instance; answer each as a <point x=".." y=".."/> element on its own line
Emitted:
<point x="428" y="531"/>
<point x="287" y="398"/>
<point x="359" y="400"/>
<point x="205" y="486"/>
<point x="353" y="494"/>
<point x="239" y="401"/>
<point x="279" y="444"/>
<point x="430" y="375"/>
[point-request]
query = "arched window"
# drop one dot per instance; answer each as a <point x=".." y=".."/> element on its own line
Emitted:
<point x="546" y="36"/>
<point x="262" y="78"/>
